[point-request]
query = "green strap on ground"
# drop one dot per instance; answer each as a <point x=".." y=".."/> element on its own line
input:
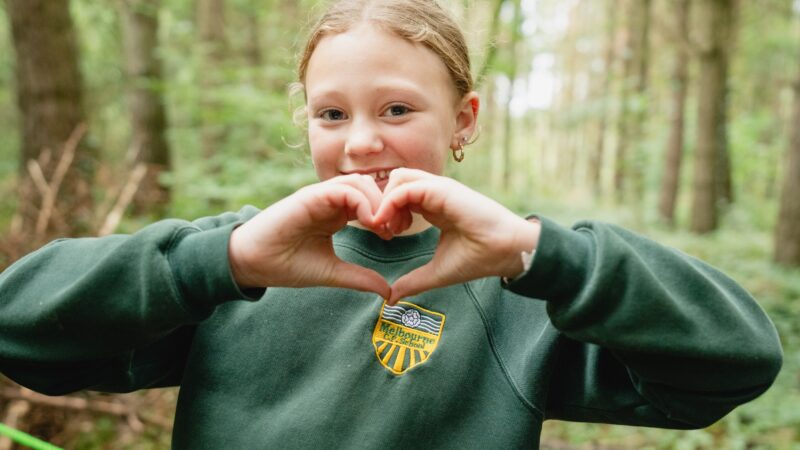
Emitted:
<point x="26" y="439"/>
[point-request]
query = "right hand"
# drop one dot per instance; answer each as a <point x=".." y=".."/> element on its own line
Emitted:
<point x="290" y="243"/>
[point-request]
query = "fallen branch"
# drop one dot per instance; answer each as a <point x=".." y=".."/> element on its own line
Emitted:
<point x="35" y="171"/>
<point x="50" y="193"/>
<point x="107" y="204"/>
<point x="16" y="411"/>
<point x="83" y="404"/>
<point x="125" y="197"/>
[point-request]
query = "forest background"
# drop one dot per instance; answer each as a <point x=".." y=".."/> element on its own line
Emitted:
<point x="677" y="118"/>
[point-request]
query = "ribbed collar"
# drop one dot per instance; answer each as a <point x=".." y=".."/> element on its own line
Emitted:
<point x="400" y="247"/>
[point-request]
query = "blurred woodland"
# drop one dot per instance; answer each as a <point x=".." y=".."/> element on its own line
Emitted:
<point x="677" y="118"/>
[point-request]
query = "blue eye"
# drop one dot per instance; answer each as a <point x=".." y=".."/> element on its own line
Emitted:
<point x="397" y="110"/>
<point x="333" y="115"/>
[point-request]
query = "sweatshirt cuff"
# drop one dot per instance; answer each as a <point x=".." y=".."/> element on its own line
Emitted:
<point x="200" y="265"/>
<point x="562" y="263"/>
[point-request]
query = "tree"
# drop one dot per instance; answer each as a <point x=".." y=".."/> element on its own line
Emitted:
<point x="148" y="116"/>
<point x="711" y="92"/>
<point x="211" y="23"/>
<point x="491" y="45"/>
<point x="634" y="91"/>
<point x="723" y="177"/>
<point x="674" y="153"/>
<point x="50" y="99"/>
<point x="508" y="137"/>
<point x="604" y="92"/>
<point x="787" y="231"/>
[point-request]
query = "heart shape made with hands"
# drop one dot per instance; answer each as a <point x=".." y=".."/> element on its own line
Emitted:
<point x="479" y="237"/>
<point x="289" y="244"/>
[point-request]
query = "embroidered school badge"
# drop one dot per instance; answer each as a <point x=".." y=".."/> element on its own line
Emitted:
<point x="406" y="335"/>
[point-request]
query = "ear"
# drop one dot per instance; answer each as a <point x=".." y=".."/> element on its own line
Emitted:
<point x="467" y="116"/>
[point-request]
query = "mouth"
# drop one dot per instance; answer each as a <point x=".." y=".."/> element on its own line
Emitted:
<point x="381" y="176"/>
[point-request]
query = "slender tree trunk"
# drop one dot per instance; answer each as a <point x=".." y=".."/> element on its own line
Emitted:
<point x="723" y="176"/>
<point x="633" y="99"/>
<point x="254" y="52"/>
<point x="787" y="232"/>
<point x="711" y="93"/>
<point x="508" y="133"/>
<point x="674" y="152"/>
<point x="148" y="116"/>
<point x="624" y="118"/>
<point x="211" y="23"/>
<point x="641" y="53"/>
<point x="491" y="45"/>
<point x="50" y="99"/>
<point x="596" y="160"/>
<point x="567" y="130"/>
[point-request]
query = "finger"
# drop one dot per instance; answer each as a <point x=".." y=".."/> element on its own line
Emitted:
<point x="344" y="197"/>
<point x="401" y="221"/>
<point x="365" y="184"/>
<point x="403" y="175"/>
<point x="427" y="194"/>
<point x="418" y="280"/>
<point x="353" y="276"/>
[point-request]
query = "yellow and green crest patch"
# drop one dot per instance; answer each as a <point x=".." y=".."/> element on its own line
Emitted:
<point x="406" y="335"/>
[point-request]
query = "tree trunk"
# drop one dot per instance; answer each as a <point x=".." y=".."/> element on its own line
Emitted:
<point x="674" y="152"/>
<point x="254" y="53"/>
<point x="787" y="232"/>
<point x="567" y="132"/>
<point x="623" y="120"/>
<point x="711" y="94"/>
<point x="491" y="45"/>
<point x="723" y="177"/>
<point x="508" y="137"/>
<point x="148" y="117"/>
<point x="633" y="108"/>
<point x="211" y="23"/>
<point x="596" y="160"/>
<point x="50" y="99"/>
<point x="641" y="53"/>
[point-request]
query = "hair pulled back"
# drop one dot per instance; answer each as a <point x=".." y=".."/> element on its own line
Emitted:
<point x="421" y="21"/>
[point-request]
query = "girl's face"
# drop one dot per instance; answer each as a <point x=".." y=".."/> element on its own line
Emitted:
<point x="377" y="102"/>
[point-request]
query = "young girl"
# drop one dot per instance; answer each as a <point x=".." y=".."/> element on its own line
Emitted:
<point x="401" y="308"/>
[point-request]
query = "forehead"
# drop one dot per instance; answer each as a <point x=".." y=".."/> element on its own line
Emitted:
<point x="369" y="53"/>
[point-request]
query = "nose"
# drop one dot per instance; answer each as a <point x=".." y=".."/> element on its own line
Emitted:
<point x="363" y="137"/>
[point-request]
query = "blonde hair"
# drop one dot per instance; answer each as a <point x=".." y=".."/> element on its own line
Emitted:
<point x="420" y="21"/>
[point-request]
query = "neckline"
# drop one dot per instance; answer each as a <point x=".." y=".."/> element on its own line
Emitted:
<point x="370" y="244"/>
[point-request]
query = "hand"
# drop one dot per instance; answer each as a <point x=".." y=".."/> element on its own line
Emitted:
<point x="479" y="237"/>
<point x="289" y="244"/>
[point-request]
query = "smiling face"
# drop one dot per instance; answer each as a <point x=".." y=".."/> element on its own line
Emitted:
<point x="377" y="102"/>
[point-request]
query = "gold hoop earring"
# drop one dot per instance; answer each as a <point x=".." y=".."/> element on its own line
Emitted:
<point x="458" y="152"/>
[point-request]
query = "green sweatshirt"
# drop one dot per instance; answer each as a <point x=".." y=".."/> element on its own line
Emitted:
<point x="606" y="326"/>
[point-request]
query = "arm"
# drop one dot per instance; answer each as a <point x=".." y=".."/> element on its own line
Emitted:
<point x="114" y="313"/>
<point x="655" y="337"/>
<point x="652" y="336"/>
<point x="118" y="313"/>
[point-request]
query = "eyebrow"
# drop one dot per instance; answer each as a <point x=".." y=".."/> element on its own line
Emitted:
<point x="323" y="95"/>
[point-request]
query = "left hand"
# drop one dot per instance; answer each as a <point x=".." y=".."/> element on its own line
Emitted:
<point x="479" y="237"/>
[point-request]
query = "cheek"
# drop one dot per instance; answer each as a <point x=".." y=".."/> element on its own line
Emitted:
<point x="423" y="148"/>
<point x="324" y="154"/>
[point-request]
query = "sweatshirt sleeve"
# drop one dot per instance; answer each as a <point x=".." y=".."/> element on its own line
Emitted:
<point x="652" y="336"/>
<point x="115" y="313"/>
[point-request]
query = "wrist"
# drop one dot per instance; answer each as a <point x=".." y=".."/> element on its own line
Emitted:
<point x="523" y="245"/>
<point x="236" y="262"/>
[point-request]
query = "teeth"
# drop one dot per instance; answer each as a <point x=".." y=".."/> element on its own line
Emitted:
<point x="380" y="175"/>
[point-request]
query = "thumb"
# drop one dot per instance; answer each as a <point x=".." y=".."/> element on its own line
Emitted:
<point x="418" y="280"/>
<point x="353" y="276"/>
